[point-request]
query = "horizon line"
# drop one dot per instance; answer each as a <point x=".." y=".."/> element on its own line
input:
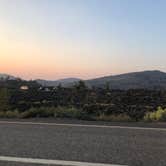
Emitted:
<point x="19" y="77"/>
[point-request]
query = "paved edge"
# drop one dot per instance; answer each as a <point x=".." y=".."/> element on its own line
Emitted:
<point x="81" y="125"/>
<point x="52" y="162"/>
<point x="88" y="122"/>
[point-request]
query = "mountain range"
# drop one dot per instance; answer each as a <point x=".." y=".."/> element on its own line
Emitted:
<point x="137" y="80"/>
<point x="153" y="79"/>
<point x="7" y="76"/>
<point x="64" y="82"/>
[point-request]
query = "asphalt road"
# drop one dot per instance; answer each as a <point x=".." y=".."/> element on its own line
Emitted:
<point x="93" y="144"/>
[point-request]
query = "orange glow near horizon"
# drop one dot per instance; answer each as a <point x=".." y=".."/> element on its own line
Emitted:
<point x="87" y="39"/>
<point x="31" y="61"/>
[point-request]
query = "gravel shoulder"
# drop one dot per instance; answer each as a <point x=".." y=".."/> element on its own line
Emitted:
<point x="85" y="122"/>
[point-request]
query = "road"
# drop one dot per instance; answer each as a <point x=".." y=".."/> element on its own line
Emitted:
<point x="34" y="144"/>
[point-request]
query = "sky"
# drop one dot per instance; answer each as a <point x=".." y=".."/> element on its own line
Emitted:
<point x="53" y="39"/>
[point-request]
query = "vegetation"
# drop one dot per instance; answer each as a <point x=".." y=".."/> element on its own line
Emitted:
<point x="4" y="99"/>
<point x="80" y="102"/>
<point x="115" y="118"/>
<point x="157" y="116"/>
<point x="60" y="112"/>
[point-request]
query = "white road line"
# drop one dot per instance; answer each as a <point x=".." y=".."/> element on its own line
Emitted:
<point x="52" y="162"/>
<point x="81" y="125"/>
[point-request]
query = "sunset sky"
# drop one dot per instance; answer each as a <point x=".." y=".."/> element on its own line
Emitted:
<point x="52" y="39"/>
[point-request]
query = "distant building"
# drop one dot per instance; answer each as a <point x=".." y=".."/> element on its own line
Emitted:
<point x="41" y="88"/>
<point x="47" y="89"/>
<point x="93" y="94"/>
<point x="24" y="87"/>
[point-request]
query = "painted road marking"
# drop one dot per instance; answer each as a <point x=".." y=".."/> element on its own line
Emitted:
<point x="52" y="162"/>
<point x="81" y="125"/>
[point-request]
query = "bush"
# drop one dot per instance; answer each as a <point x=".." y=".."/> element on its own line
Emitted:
<point x="12" y="114"/>
<point x="38" y="112"/>
<point x="158" y="116"/>
<point x="61" y="112"/>
<point x="57" y="112"/>
<point x="9" y="114"/>
<point x="115" y="118"/>
<point x="135" y="112"/>
<point x="97" y="108"/>
<point x="64" y="112"/>
<point x="2" y="114"/>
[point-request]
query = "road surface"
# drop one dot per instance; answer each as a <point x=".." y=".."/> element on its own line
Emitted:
<point x="34" y="144"/>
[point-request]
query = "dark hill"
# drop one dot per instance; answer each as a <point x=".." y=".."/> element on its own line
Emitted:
<point x="137" y="80"/>
<point x="64" y="82"/>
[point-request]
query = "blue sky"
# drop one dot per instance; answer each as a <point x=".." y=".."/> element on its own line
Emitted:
<point x="81" y="38"/>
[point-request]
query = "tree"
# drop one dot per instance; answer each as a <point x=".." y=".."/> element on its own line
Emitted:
<point x="81" y="85"/>
<point x="59" y="87"/>
<point x="107" y="86"/>
<point x="4" y="99"/>
<point x="80" y="92"/>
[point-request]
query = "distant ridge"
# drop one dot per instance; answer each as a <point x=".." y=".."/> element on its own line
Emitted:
<point x="7" y="76"/>
<point x="64" y="82"/>
<point x="154" y="79"/>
